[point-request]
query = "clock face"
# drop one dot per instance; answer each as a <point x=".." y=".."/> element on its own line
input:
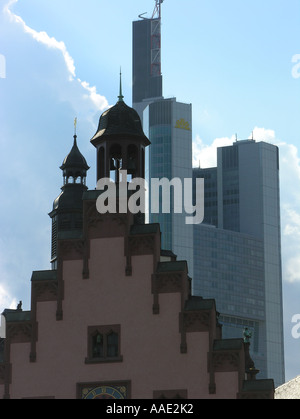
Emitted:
<point x="104" y="392"/>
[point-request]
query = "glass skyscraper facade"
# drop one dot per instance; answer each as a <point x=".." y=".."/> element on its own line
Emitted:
<point x="168" y="125"/>
<point x="237" y="250"/>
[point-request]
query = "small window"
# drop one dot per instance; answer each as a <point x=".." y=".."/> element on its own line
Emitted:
<point x="104" y="344"/>
<point x="112" y="344"/>
<point x="98" y="345"/>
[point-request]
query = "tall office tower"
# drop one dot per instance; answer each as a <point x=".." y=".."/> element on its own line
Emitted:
<point x="146" y="65"/>
<point x="170" y="157"/>
<point x="237" y="250"/>
<point x="167" y="123"/>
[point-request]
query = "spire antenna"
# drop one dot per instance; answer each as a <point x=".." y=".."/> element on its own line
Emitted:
<point x="121" y="97"/>
<point x="157" y="9"/>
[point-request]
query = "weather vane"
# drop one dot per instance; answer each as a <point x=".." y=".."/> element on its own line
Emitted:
<point x="75" y="125"/>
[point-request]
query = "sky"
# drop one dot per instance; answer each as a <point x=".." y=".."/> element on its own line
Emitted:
<point x="237" y="62"/>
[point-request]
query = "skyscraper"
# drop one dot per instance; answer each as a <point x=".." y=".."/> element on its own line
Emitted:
<point x="147" y="77"/>
<point x="237" y="250"/>
<point x="168" y="125"/>
<point x="170" y="157"/>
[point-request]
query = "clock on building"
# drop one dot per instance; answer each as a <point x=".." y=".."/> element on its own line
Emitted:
<point x="103" y="391"/>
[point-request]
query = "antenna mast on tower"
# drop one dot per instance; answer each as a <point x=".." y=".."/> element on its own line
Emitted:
<point x="156" y="39"/>
<point x="157" y="9"/>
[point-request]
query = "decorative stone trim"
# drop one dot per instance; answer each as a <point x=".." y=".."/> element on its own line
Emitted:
<point x="19" y="332"/>
<point x="141" y="245"/>
<point x="45" y="290"/>
<point x="169" y="282"/>
<point x="226" y="361"/>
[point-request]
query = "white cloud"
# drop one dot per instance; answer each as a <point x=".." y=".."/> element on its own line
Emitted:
<point x="292" y="226"/>
<point x="100" y="101"/>
<point x="43" y="38"/>
<point x="206" y="155"/>
<point x="263" y="134"/>
<point x="6" y="300"/>
<point x="90" y="92"/>
<point x="290" y="210"/>
<point x="293" y="269"/>
<point x="290" y="216"/>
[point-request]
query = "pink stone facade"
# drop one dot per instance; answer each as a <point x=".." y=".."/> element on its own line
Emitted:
<point x="112" y="280"/>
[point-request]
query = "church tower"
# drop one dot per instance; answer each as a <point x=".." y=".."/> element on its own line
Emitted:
<point x="67" y="208"/>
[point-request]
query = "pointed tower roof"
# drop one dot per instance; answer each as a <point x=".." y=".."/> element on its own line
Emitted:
<point x="119" y="121"/>
<point x="74" y="164"/>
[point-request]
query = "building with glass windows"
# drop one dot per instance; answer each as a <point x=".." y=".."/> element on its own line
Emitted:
<point x="170" y="156"/>
<point x="237" y="250"/>
<point x="168" y="125"/>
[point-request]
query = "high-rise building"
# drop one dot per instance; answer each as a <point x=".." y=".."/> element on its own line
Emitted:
<point x="170" y="157"/>
<point x="168" y="124"/>
<point x="237" y="250"/>
<point x="147" y="77"/>
<point x="146" y="63"/>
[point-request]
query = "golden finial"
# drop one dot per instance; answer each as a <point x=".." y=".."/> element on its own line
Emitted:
<point x="75" y="126"/>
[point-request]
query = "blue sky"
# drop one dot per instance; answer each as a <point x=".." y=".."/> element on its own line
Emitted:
<point x="235" y="61"/>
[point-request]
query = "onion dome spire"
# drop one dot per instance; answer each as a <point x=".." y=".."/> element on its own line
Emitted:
<point x="74" y="165"/>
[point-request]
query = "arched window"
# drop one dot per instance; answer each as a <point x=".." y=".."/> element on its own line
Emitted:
<point x="115" y="158"/>
<point x="132" y="160"/>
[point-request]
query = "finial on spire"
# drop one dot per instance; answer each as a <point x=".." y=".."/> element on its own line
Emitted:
<point x="121" y="97"/>
<point x="75" y="131"/>
<point x="75" y="126"/>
